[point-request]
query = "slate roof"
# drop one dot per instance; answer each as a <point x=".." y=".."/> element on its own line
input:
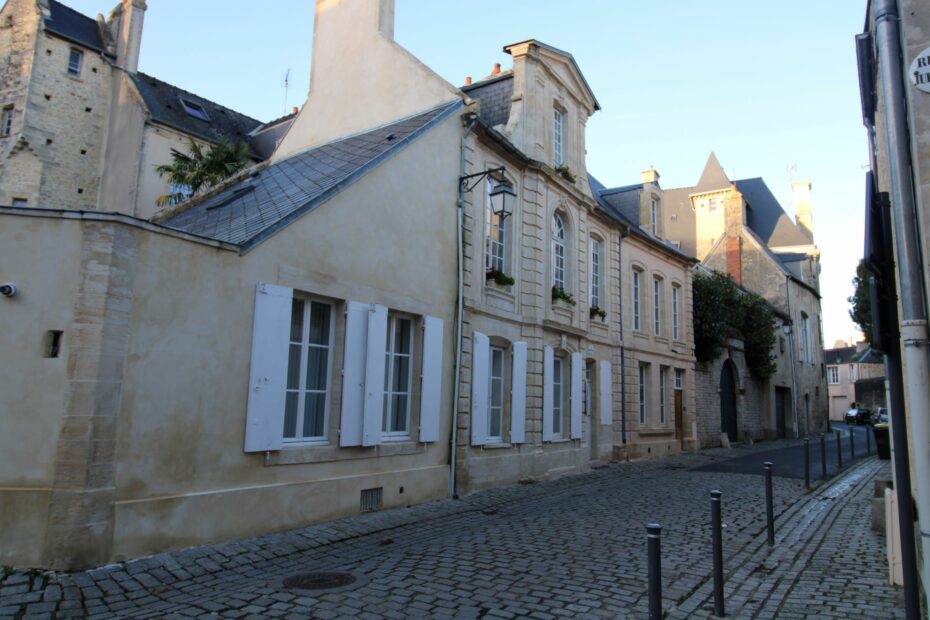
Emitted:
<point x="247" y="212"/>
<point x="494" y="95"/>
<point x="713" y="176"/>
<point x="76" y="27"/>
<point x="842" y="355"/>
<point x="624" y="200"/>
<point x="164" y="103"/>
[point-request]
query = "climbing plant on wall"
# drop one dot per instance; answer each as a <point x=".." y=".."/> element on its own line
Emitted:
<point x="723" y="310"/>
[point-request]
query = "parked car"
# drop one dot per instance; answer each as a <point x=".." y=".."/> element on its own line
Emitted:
<point x="880" y="416"/>
<point x="858" y="416"/>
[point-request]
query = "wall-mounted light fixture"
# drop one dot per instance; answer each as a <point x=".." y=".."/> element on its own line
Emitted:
<point x="502" y="194"/>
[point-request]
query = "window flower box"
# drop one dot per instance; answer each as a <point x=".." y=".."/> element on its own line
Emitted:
<point x="560" y="293"/>
<point x="595" y="311"/>
<point x="565" y="172"/>
<point x="499" y="277"/>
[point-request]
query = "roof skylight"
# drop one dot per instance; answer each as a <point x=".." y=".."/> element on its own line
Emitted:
<point x="194" y="109"/>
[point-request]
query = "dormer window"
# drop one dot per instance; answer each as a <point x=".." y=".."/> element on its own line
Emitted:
<point x="558" y="126"/>
<point x="74" y="62"/>
<point x="194" y="109"/>
<point x="654" y="212"/>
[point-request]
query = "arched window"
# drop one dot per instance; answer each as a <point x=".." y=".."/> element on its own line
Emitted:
<point x="558" y="252"/>
<point x="495" y="233"/>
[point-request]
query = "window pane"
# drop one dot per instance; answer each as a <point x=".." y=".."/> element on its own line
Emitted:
<point x="497" y="363"/>
<point x="319" y="323"/>
<point x="297" y="319"/>
<point x="402" y="339"/>
<point x="314" y="406"/>
<point x="290" y="415"/>
<point x="401" y="373"/>
<point x="399" y="413"/>
<point x="293" y="367"/>
<point x="494" y="428"/>
<point x="316" y="368"/>
<point x="497" y="392"/>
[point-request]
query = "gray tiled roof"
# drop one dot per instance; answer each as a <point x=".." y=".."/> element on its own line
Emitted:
<point x="494" y="95"/>
<point x="625" y="200"/>
<point x="76" y="27"/>
<point x="767" y="218"/>
<point x="251" y="210"/>
<point x="164" y="103"/>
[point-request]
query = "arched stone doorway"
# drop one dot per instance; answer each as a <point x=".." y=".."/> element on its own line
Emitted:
<point x="728" y="401"/>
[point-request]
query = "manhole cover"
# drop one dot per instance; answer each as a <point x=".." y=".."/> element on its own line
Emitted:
<point x="319" y="581"/>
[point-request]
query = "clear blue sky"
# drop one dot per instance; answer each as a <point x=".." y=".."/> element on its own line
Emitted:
<point x="766" y="85"/>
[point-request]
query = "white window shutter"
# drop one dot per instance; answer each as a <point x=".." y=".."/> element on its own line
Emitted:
<point x="353" y="374"/>
<point x="548" y="357"/>
<point x="480" y="356"/>
<point x="518" y="394"/>
<point x="577" y="370"/>
<point x="271" y="327"/>
<point x="431" y="386"/>
<point x="373" y="412"/>
<point x="605" y="392"/>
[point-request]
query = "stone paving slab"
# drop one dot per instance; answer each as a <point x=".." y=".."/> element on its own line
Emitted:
<point x="573" y="547"/>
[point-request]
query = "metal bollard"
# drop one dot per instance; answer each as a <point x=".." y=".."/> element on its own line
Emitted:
<point x="654" y="543"/>
<point x="868" y="442"/>
<point x="769" y="508"/>
<point x="823" y="455"/>
<point x="839" y="453"/>
<point x="852" y="445"/>
<point x="717" y="542"/>
<point x="807" y="463"/>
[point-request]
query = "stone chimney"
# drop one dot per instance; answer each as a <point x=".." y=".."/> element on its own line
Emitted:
<point x="801" y="191"/>
<point x="650" y="176"/>
<point x="126" y="28"/>
<point x="734" y="220"/>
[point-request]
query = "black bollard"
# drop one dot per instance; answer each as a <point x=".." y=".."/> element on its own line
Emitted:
<point x="839" y="453"/>
<point x="807" y="463"/>
<point x="868" y="442"/>
<point x="769" y="509"/>
<point x="823" y="455"/>
<point x="852" y="445"/>
<point x="717" y="542"/>
<point x="653" y="533"/>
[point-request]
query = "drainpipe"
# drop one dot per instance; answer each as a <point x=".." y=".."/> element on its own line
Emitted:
<point x="471" y="120"/>
<point x="913" y="319"/>
<point x="622" y="348"/>
<point x="791" y="360"/>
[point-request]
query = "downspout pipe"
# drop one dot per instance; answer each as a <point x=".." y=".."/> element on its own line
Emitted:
<point x="791" y="359"/>
<point x="622" y="347"/>
<point x="913" y="319"/>
<point x="470" y="120"/>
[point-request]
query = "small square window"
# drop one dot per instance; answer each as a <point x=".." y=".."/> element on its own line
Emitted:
<point x="20" y="202"/>
<point x="194" y="109"/>
<point x="74" y="62"/>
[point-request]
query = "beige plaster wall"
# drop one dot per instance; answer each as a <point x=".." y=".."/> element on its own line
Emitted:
<point x="157" y="143"/>
<point x="121" y="164"/>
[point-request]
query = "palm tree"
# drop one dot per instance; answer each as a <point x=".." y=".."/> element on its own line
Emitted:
<point x="190" y="172"/>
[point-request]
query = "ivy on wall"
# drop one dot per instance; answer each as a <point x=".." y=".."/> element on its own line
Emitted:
<point x="723" y="310"/>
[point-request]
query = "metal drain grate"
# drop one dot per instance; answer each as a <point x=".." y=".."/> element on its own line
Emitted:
<point x="319" y="581"/>
<point x="371" y="499"/>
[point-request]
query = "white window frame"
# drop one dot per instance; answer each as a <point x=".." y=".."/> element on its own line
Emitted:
<point x="654" y="211"/>
<point x="558" y="251"/>
<point x="391" y="354"/>
<point x="833" y="375"/>
<point x="853" y="373"/>
<point x="676" y="310"/>
<point x="301" y="389"/>
<point x="558" y="397"/>
<point x="74" y="68"/>
<point x="6" y="121"/>
<point x="495" y="231"/>
<point x="496" y="382"/>
<point x="642" y="394"/>
<point x="194" y="109"/>
<point x="637" y="285"/>
<point x="596" y="259"/>
<point x="679" y="379"/>
<point x="804" y="338"/>
<point x="657" y="305"/>
<point x="663" y="396"/>
<point x="558" y="137"/>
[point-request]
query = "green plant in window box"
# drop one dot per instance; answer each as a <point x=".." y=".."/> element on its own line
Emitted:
<point x="500" y="278"/>
<point x="565" y="172"/>
<point x="559" y="293"/>
<point x="595" y="311"/>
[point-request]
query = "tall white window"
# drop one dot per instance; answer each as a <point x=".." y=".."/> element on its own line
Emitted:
<point x="679" y="379"/>
<point x="495" y="394"/>
<point x="663" y="400"/>
<point x="558" y="251"/>
<point x="657" y="305"/>
<point x="654" y="214"/>
<point x="642" y="394"/>
<point x="637" y="299"/>
<point x="558" y="126"/>
<point x="397" y="377"/>
<point x="495" y="235"/>
<point x="75" y="58"/>
<point x="558" y="394"/>
<point x="308" y="371"/>
<point x="595" y="273"/>
<point x="853" y="373"/>
<point x="676" y="312"/>
<point x="6" y="121"/>
<point x="833" y="374"/>
<point x="804" y="338"/>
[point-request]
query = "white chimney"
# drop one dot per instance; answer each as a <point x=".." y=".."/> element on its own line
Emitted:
<point x="126" y="27"/>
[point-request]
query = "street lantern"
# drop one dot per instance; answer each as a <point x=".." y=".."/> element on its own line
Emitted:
<point x="502" y="199"/>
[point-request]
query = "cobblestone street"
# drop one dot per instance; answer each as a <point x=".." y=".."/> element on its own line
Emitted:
<point x="573" y="547"/>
